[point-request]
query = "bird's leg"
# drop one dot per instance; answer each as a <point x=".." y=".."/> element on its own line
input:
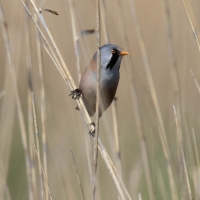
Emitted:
<point x="76" y="94"/>
<point x="92" y="132"/>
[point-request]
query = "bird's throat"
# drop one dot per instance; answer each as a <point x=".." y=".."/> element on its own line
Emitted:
<point x="113" y="61"/>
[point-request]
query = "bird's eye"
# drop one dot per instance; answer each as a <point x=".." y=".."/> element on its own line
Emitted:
<point x="112" y="51"/>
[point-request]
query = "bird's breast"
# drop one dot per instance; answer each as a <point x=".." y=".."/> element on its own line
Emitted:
<point x="108" y="86"/>
<point x="109" y="79"/>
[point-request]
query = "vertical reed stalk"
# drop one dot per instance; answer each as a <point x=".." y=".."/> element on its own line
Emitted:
<point x="136" y="109"/>
<point x="191" y="24"/>
<point x="139" y="196"/>
<point x="195" y="80"/>
<point x="196" y="150"/>
<point x="77" y="175"/>
<point x="30" y="111"/>
<point x="46" y="185"/>
<point x="155" y="101"/>
<point x="42" y="186"/>
<point x="31" y="94"/>
<point x="76" y="37"/>
<point x="162" y="187"/>
<point x="31" y="142"/>
<point x="180" y="138"/>
<point x="119" y="184"/>
<point x="42" y="103"/>
<point x="70" y="82"/>
<point x="113" y="105"/>
<point x="4" y="190"/>
<point x="11" y="65"/>
<point x="173" y="63"/>
<point x="98" y="32"/>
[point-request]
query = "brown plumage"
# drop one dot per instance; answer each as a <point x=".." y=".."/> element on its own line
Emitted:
<point x="111" y="56"/>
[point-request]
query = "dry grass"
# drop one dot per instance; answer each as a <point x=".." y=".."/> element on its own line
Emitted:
<point x="153" y="155"/>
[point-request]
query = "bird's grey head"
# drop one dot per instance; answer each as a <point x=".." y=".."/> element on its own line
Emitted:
<point x="111" y="56"/>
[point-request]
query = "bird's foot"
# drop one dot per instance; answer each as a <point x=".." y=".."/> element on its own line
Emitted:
<point x="92" y="131"/>
<point x="76" y="94"/>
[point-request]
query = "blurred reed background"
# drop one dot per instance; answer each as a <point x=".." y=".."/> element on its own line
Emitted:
<point x="156" y="151"/>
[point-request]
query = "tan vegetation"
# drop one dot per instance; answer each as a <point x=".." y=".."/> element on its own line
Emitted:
<point x="151" y="132"/>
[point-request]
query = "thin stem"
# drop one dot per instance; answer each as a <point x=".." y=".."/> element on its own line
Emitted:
<point x="113" y="105"/>
<point x="32" y="141"/>
<point x="195" y="80"/>
<point x="139" y="196"/>
<point x="75" y="37"/>
<point x="37" y="140"/>
<point x="136" y="108"/>
<point x="11" y="65"/>
<point x="191" y="24"/>
<point x="30" y="111"/>
<point x="4" y="190"/>
<point x="31" y="93"/>
<point x="155" y="101"/>
<point x="77" y="175"/>
<point x="43" y="173"/>
<point x="70" y="82"/>
<point x="182" y="154"/>
<point x="196" y="150"/>
<point x="97" y="98"/>
<point x="42" y="103"/>
<point x="118" y="182"/>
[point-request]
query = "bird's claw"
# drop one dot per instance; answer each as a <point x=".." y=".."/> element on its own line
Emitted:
<point x="92" y="131"/>
<point x="76" y="94"/>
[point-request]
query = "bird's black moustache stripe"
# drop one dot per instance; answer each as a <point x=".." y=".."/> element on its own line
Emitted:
<point x="113" y="60"/>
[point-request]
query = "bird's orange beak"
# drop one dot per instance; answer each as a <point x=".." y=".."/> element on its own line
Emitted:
<point x="123" y="53"/>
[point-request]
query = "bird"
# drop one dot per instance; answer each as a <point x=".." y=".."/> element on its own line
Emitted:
<point x="111" y="57"/>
